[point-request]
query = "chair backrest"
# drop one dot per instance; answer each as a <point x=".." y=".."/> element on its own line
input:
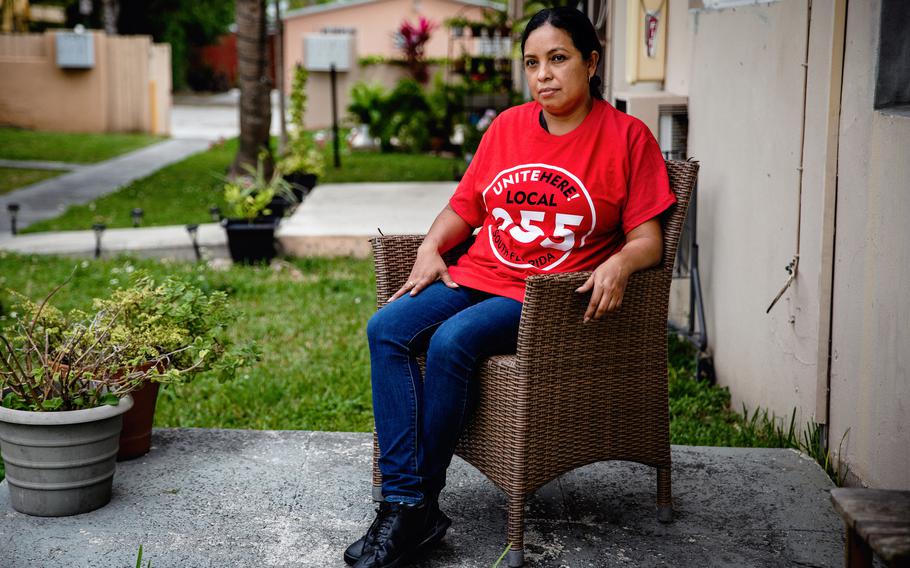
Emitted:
<point x="682" y="182"/>
<point x="394" y="256"/>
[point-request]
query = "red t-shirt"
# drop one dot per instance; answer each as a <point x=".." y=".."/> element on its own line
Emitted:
<point x="547" y="204"/>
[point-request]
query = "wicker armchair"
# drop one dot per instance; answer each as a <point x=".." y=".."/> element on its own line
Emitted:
<point x="573" y="393"/>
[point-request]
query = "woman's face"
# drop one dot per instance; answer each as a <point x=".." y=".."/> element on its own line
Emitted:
<point x="556" y="72"/>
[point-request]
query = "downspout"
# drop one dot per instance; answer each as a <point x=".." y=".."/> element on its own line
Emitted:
<point x="829" y="222"/>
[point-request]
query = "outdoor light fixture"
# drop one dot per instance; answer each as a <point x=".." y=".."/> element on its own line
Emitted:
<point x="215" y="212"/>
<point x="193" y="230"/>
<point x="98" y="228"/>
<point x="137" y="214"/>
<point x="13" y="209"/>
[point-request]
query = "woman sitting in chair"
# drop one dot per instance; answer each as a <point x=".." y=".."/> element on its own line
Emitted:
<point x="564" y="183"/>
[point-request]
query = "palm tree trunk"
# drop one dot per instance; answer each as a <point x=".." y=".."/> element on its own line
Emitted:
<point x="255" y="85"/>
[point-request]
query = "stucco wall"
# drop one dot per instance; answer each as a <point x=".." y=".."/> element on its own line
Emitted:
<point x="37" y="94"/>
<point x="375" y="23"/>
<point x="745" y="117"/>
<point x="870" y="366"/>
<point x="821" y="166"/>
<point x="679" y="47"/>
<point x="113" y="96"/>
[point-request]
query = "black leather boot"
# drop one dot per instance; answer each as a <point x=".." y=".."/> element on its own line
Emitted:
<point x="397" y="533"/>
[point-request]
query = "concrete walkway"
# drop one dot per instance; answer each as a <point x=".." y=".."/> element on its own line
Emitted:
<point x="49" y="198"/>
<point x="172" y="242"/>
<point x="239" y="498"/>
<point x="42" y="165"/>
<point x="339" y="219"/>
<point x="336" y="219"/>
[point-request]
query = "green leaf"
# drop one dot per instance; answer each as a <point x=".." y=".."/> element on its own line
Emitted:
<point x="14" y="401"/>
<point x="52" y="404"/>
<point x="110" y="399"/>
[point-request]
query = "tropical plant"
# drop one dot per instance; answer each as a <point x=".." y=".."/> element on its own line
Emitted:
<point x="409" y="116"/>
<point x="367" y="105"/>
<point x="446" y="106"/>
<point x="301" y="156"/>
<point x="413" y="41"/>
<point x="405" y="114"/>
<point x="298" y="96"/>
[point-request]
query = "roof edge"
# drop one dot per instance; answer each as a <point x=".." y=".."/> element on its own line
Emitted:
<point x="340" y="4"/>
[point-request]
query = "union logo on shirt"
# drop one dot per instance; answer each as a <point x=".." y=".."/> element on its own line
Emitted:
<point x="539" y="214"/>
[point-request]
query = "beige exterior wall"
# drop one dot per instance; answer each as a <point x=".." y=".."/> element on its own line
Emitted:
<point x="679" y="52"/>
<point x="795" y="159"/>
<point x="870" y="367"/>
<point x="114" y="96"/>
<point x="745" y="117"/>
<point x="375" y="23"/>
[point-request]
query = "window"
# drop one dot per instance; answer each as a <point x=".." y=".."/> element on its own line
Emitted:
<point x="892" y="83"/>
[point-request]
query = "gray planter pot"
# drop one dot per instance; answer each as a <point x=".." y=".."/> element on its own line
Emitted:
<point x="61" y="463"/>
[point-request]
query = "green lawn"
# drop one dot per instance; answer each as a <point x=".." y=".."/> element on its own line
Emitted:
<point x="183" y="192"/>
<point x="20" y="144"/>
<point x="374" y="166"/>
<point x="309" y="321"/>
<point x="13" y="178"/>
<point x="178" y="194"/>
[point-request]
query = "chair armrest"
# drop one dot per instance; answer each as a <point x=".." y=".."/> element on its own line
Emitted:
<point x="552" y="329"/>
<point x="393" y="257"/>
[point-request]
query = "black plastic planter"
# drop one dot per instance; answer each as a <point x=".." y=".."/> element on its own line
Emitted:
<point x="277" y="207"/>
<point x="301" y="183"/>
<point x="251" y="242"/>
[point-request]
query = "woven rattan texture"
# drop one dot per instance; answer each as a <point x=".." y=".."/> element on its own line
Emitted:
<point x="575" y="392"/>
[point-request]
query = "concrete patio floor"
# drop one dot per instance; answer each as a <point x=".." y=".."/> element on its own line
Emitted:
<point x="245" y="498"/>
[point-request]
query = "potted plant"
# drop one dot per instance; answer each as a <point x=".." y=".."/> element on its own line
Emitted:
<point x="301" y="167"/>
<point x="457" y="25"/>
<point x="250" y="223"/>
<point x="65" y="382"/>
<point x="367" y="108"/>
<point x="175" y="325"/>
<point x="301" y="163"/>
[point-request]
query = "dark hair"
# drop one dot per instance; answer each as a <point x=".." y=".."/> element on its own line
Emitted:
<point x="579" y="28"/>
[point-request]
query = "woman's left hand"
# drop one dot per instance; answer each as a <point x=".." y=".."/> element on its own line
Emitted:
<point x="609" y="282"/>
<point x="643" y="248"/>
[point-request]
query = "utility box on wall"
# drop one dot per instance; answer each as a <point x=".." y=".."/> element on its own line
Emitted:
<point x="646" y="40"/>
<point x="75" y="50"/>
<point x="322" y="51"/>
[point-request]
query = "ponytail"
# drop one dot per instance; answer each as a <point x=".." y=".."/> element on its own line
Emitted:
<point x="595" y="85"/>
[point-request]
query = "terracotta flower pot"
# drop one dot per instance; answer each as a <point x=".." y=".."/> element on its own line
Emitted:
<point x="136" y="436"/>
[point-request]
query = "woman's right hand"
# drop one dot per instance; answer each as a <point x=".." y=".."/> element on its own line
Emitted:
<point x="428" y="268"/>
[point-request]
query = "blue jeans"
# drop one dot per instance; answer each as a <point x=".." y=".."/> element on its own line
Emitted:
<point x="419" y="420"/>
